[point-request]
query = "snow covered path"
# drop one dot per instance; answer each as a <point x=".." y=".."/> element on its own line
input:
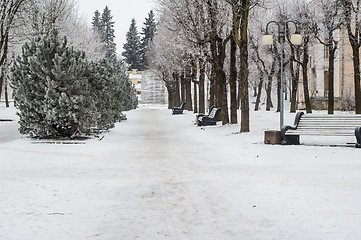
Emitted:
<point x="158" y="176"/>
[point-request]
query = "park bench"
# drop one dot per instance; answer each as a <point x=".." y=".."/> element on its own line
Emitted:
<point x="202" y="115"/>
<point x="178" y="110"/>
<point x="322" y="125"/>
<point x="210" y="119"/>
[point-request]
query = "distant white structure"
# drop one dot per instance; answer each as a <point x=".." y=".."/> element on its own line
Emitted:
<point x="153" y="89"/>
<point x="149" y="87"/>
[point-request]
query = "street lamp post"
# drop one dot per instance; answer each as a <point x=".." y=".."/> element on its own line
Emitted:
<point x="296" y="39"/>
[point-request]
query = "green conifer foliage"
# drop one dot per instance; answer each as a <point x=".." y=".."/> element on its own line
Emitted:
<point x="113" y="91"/>
<point x="96" y="22"/>
<point x="51" y="91"/>
<point x="125" y="91"/>
<point x="60" y="94"/>
<point x="148" y="32"/>
<point x="132" y="48"/>
<point x="107" y="33"/>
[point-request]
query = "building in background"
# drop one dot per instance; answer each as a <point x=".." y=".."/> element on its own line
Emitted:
<point x="136" y="78"/>
<point x="318" y="71"/>
<point x="150" y="89"/>
<point x="153" y="89"/>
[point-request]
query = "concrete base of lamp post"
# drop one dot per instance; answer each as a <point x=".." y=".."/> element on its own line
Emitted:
<point x="272" y="137"/>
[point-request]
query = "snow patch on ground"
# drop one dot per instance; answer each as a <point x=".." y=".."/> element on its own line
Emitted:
<point x="159" y="176"/>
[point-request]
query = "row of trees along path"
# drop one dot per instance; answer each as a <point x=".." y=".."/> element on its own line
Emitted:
<point x="220" y="40"/>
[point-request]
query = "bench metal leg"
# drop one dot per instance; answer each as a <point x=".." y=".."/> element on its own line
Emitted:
<point x="358" y="137"/>
<point x="291" y="140"/>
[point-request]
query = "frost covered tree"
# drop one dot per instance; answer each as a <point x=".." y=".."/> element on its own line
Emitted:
<point x="148" y="32"/>
<point x="295" y="57"/>
<point x="241" y="10"/>
<point x="8" y="12"/>
<point x="206" y="25"/>
<point x="210" y="26"/>
<point x="96" y="22"/>
<point x="112" y="90"/>
<point x="166" y="61"/>
<point x="352" y="14"/>
<point x="306" y="21"/>
<point x="51" y="90"/>
<point x="60" y="94"/>
<point x="266" y="62"/>
<point x="132" y="48"/>
<point x="107" y="34"/>
<point x="330" y="21"/>
<point x="38" y="17"/>
<point x="263" y="59"/>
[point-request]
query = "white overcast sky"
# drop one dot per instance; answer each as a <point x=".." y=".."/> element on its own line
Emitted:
<point x="122" y="10"/>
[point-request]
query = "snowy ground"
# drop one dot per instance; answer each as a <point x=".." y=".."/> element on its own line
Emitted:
<point x="158" y="176"/>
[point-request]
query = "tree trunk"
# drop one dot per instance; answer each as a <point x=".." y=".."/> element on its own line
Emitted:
<point x="173" y="91"/>
<point x="268" y="93"/>
<point x="6" y="93"/>
<point x="195" y="91"/>
<point x="295" y="76"/>
<point x="188" y="89"/>
<point x="244" y="86"/>
<point x="294" y="87"/>
<point x="354" y="40"/>
<point x="201" y="86"/>
<point x="331" y="97"/>
<point x="218" y="50"/>
<point x="243" y="46"/>
<point x="170" y="91"/>
<point x="222" y="96"/>
<point x="176" y="95"/>
<point x="258" y="99"/>
<point x="233" y="81"/>
<point x="1" y="81"/>
<point x="294" y="96"/>
<point x="212" y="87"/>
<point x="195" y="98"/>
<point x="170" y="99"/>
<point x="356" y="64"/>
<point x="182" y="86"/>
<point x="305" y="78"/>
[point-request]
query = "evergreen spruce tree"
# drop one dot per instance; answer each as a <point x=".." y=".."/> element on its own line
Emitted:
<point x="96" y="23"/>
<point x="51" y="90"/>
<point x="132" y="48"/>
<point x="107" y="33"/>
<point x="148" y="32"/>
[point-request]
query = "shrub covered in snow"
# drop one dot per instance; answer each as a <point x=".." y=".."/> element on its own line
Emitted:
<point x="59" y="93"/>
<point x="112" y="90"/>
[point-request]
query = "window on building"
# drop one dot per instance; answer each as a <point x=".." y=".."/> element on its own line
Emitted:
<point x="139" y="92"/>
